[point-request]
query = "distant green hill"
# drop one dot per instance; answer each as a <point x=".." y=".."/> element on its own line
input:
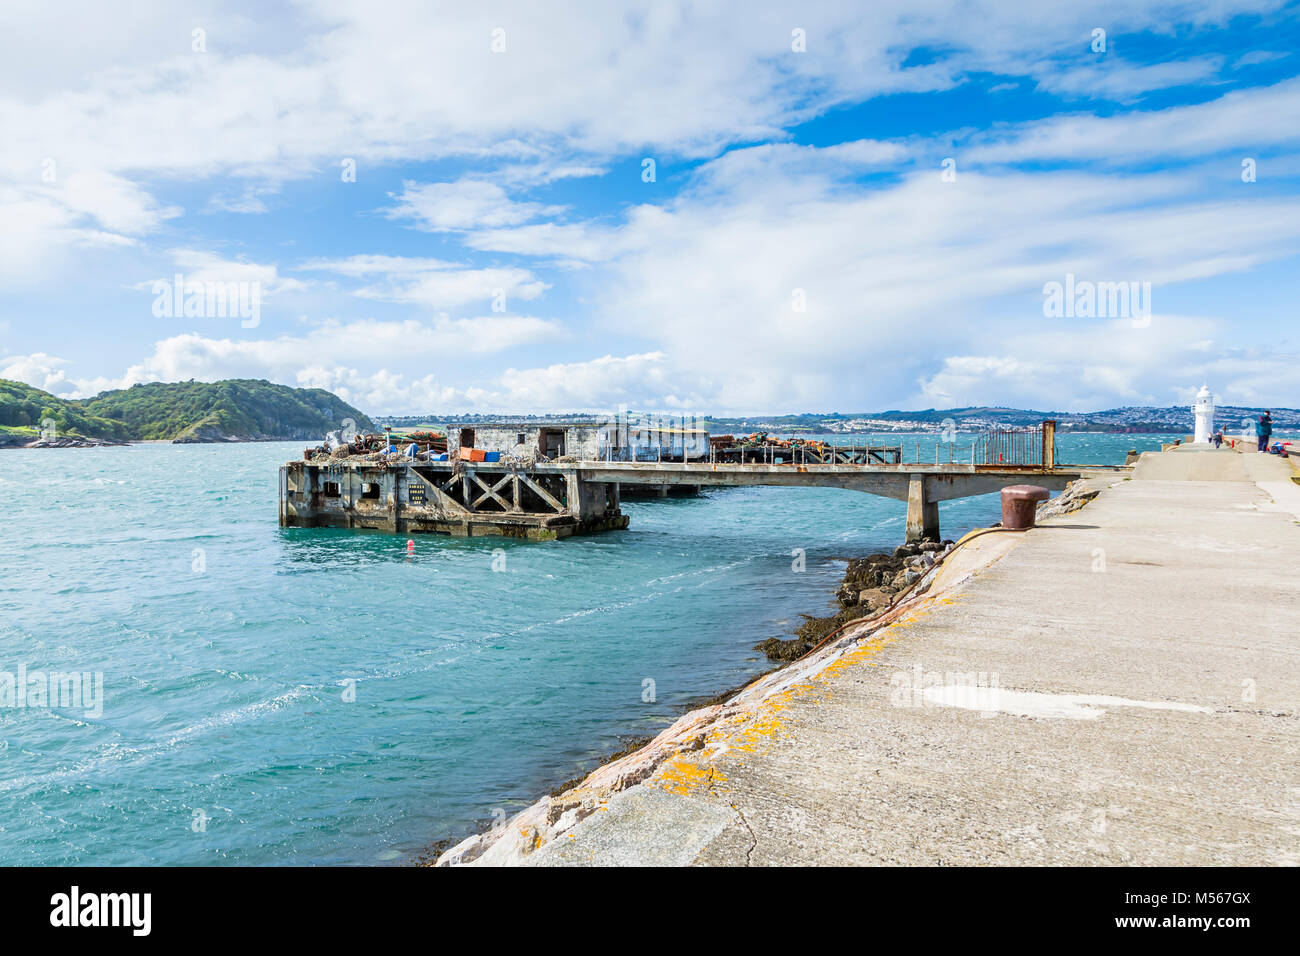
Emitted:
<point x="231" y="410"/>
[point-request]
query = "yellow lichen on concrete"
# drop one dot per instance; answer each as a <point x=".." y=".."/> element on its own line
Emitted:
<point x="696" y="773"/>
<point x="681" y="775"/>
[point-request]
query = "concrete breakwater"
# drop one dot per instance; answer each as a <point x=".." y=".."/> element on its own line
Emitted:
<point x="877" y="591"/>
<point x="877" y="581"/>
<point x="1090" y="692"/>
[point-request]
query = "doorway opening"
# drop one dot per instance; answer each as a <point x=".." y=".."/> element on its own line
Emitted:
<point x="550" y="442"/>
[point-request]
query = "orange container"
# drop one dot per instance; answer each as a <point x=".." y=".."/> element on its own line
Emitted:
<point x="472" y="454"/>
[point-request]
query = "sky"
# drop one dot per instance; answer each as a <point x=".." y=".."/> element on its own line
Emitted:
<point x="697" y="208"/>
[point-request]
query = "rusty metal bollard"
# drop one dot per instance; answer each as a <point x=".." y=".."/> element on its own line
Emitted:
<point x="1019" y="503"/>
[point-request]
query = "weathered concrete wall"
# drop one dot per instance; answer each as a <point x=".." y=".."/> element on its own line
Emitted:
<point x="399" y="498"/>
<point x="648" y="442"/>
<point x="580" y="441"/>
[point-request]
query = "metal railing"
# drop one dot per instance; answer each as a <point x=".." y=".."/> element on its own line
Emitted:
<point x="1031" y="447"/>
<point x="1034" y="446"/>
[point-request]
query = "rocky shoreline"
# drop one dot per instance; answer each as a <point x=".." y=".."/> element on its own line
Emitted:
<point x="224" y="439"/>
<point x="24" y="442"/>
<point x="871" y="584"/>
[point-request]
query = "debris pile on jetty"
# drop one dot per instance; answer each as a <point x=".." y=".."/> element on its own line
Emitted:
<point x="871" y="584"/>
<point x="393" y="448"/>
<point x="763" y="440"/>
<point x="378" y="446"/>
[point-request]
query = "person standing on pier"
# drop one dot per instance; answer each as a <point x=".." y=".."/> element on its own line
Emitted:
<point x="1264" y="430"/>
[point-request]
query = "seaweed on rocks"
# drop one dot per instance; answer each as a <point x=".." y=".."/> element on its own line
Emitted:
<point x="870" y="585"/>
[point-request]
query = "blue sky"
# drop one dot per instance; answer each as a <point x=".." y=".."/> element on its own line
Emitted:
<point x="799" y="247"/>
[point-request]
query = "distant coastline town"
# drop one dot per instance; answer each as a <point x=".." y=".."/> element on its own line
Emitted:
<point x="239" y="410"/>
<point x="1144" y="419"/>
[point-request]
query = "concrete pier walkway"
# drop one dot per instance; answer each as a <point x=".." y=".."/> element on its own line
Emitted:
<point x="1119" y="686"/>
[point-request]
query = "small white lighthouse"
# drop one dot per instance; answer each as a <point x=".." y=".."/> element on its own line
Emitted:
<point x="1203" y="411"/>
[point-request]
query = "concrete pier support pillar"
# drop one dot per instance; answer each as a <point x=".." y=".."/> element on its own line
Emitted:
<point x="587" y="499"/>
<point x="284" y="496"/>
<point x="922" y="513"/>
<point x="395" y="480"/>
<point x="573" y="494"/>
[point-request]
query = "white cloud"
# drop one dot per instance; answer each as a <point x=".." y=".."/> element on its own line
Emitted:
<point x="248" y="201"/>
<point x="49" y="373"/>
<point x="647" y="380"/>
<point x="700" y="287"/>
<point x="335" y="358"/>
<point x="1114" y="79"/>
<point x="448" y="289"/>
<point x="321" y="351"/>
<point x="714" y="278"/>
<point x="1256" y="57"/>
<point x="201" y="266"/>
<point x="433" y="282"/>
<point x="1110" y="364"/>
<point x="596" y="385"/>
<point x="361" y="265"/>
<point x="39" y="370"/>
<point x="1241" y="120"/>
<point x="578" y="242"/>
<point x="42" y="220"/>
<point x="336" y="343"/>
<point x="464" y="204"/>
<point x="325" y="80"/>
<point x="116" y="204"/>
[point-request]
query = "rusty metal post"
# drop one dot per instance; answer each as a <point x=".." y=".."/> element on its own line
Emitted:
<point x="1020" y="505"/>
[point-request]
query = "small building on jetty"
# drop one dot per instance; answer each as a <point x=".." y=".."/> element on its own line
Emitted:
<point x="530" y="438"/>
<point x="643" y="438"/>
<point x="647" y="438"/>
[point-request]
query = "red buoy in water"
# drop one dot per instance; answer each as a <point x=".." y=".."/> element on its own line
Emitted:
<point x="410" y="545"/>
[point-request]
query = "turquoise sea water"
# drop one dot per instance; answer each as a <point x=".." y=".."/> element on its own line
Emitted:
<point x="229" y="646"/>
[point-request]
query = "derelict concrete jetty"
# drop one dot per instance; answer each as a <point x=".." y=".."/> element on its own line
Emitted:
<point x="543" y="500"/>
